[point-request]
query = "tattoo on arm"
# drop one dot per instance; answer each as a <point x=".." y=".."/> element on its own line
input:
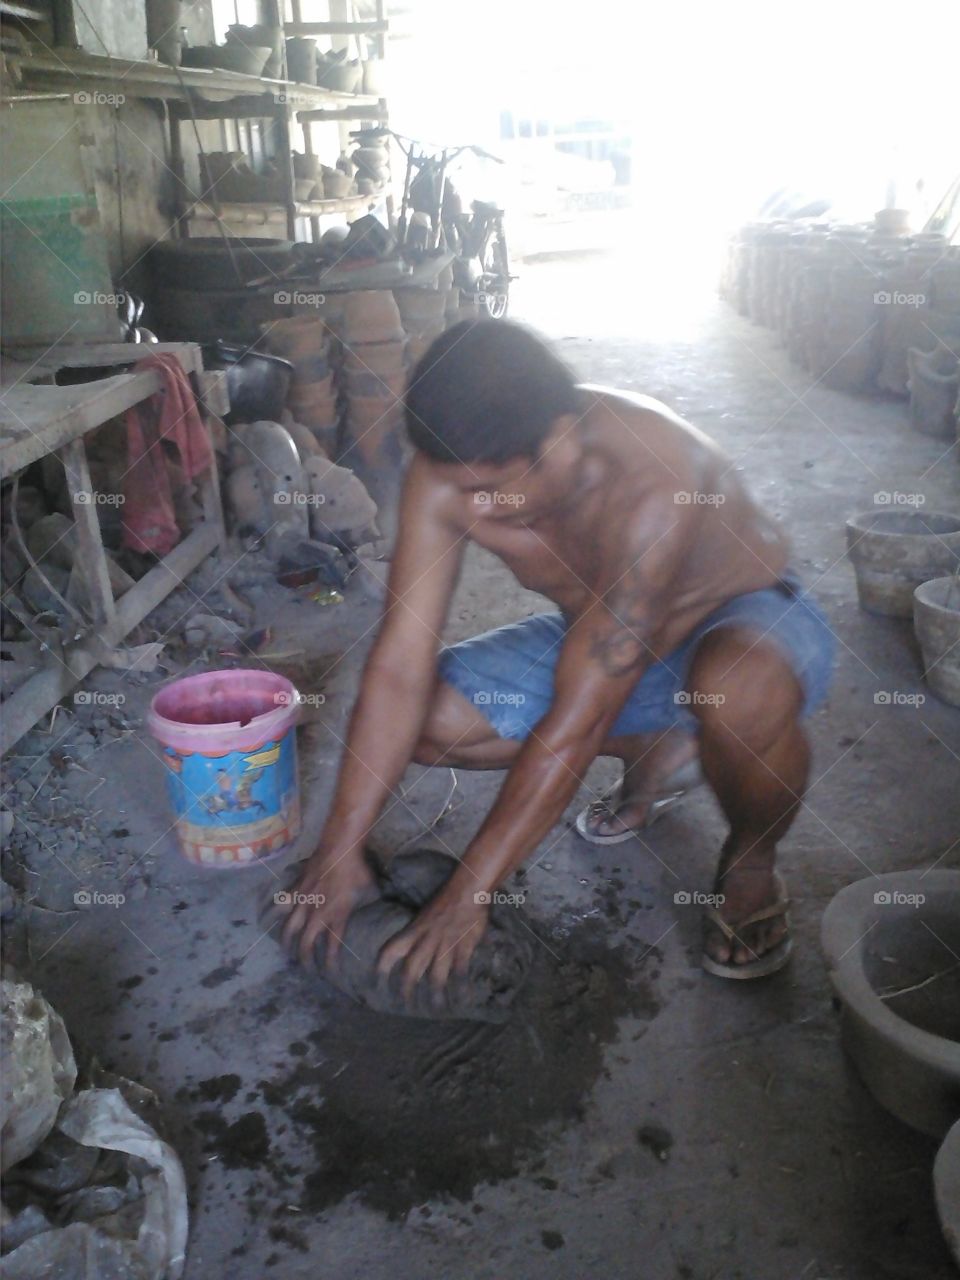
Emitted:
<point x="621" y="641"/>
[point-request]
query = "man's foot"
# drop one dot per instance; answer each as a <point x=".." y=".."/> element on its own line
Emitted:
<point x="747" y="935"/>
<point x="652" y="785"/>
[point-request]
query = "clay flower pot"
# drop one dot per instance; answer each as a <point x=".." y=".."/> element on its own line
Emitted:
<point x="381" y="358"/>
<point x="372" y="316"/>
<point x="336" y="184"/>
<point x="302" y="60"/>
<point x="936" y="621"/>
<point x="360" y="382"/>
<point x="893" y="552"/>
<point x="420" y="309"/>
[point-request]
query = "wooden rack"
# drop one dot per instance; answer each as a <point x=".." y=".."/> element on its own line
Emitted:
<point x="37" y="420"/>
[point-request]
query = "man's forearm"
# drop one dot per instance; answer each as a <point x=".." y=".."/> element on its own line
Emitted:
<point x="384" y="729"/>
<point x="541" y="782"/>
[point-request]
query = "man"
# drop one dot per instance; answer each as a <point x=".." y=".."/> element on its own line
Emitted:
<point x="681" y="636"/>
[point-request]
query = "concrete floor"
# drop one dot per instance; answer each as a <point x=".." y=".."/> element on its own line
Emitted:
<point x="667" y="1125"/>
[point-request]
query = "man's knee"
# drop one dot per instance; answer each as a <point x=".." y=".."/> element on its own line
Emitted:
<point x="451" y="723"/>
<point x="741" y="684"/>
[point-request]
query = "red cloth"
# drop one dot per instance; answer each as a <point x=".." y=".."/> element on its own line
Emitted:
<point x="148" y="512"/>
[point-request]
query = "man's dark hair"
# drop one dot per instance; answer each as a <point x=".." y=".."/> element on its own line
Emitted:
<point x="487" y="391"/>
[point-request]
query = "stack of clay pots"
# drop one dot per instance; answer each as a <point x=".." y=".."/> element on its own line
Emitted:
<point x="848" y="301"/>
<point x="373" y="167"/>
<point x="307" y="343"/>
<point x="424" y="316"/>
<point x="374" y="376"/>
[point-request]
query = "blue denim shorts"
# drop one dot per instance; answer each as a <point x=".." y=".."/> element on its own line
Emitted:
<point x="508" y="673"/>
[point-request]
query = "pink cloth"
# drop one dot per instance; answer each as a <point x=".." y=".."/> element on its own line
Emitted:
<point x="149" y="523"/>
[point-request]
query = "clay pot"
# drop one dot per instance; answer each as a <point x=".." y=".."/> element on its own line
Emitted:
<point x="163" y="30"/>
<point x="312" y="378"/>
<point x="420" y="309"/>
<point x="247" y="60"/>
<point x="371" y="159"/>
<point x="934" y="384"/>
<point x="336" y="185"/>
<point x="302" y="60"/>
<point x="340" y="77"/>
<point x="383" y="358"/>
<point x="306" y="166"/>
<point x="360" y="382"/>
<point x="936" y="621"/>
<point x="314" y="408"/>
<point x="371" y="316"/>
<point x="295" y="338"/>
<point x="894" y="552"/>
<point x="365" y="441"/>
<point x="263" y="35"/>
<point x="368" y="411"/>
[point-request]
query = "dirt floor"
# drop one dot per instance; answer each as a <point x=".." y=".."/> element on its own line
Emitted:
<point x="637" y="1118"/>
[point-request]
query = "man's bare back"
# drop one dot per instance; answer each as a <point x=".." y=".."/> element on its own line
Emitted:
<point x="637" y="455"/>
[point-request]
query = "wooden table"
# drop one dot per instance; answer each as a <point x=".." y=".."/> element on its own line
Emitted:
<point x="37" y="419"/>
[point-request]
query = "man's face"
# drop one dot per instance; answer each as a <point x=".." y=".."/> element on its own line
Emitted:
<point x="520" y="490"/>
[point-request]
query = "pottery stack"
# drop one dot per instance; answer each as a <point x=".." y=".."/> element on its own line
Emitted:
<point x="848" y="301"/>
<point x="423" y="312"/>
<point x="307" y="343"/>
<point x="374" y="376"/>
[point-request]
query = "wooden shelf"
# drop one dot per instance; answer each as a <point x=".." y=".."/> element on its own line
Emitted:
<point x="372" y="28"/>
<point x="259" y="212"/>
<point x="284" y="96"/>
<point x="211" y="90"/>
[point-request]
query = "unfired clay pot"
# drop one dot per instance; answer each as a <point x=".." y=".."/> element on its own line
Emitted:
<point x="894" y="551"/>
<point x="936" y="621"/>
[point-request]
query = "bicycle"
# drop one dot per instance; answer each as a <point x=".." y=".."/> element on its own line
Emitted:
<point x="478" y="240"/>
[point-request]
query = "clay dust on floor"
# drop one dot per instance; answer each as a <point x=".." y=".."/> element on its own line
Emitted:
<point x="399" y="1111"/>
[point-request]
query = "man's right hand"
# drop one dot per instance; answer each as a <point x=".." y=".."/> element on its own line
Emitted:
<point x="331" y="887"/>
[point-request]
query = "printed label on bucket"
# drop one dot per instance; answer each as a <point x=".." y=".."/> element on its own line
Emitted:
<point x="236" y="806"/>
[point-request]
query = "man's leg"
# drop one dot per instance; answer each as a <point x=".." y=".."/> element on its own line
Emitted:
<point x="459" y="735"/>
<point x="756" y="758"/>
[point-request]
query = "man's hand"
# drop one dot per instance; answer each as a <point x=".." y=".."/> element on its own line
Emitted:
<point x="440" y="941"/>
<point x="331" y="887"/>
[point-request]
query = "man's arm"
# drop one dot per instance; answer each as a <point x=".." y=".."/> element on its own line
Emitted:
<point x="389" y="713"/>
<point x="604" y="655"/>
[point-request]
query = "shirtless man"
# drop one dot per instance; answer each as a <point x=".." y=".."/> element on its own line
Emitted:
<point x="681" y="635"/>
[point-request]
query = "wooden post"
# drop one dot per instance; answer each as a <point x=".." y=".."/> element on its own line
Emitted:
<point x="90" y="554"/>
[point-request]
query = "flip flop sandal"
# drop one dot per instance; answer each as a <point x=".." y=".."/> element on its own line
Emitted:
<point x="771" y="961"/>
<point x="688" y="777"/>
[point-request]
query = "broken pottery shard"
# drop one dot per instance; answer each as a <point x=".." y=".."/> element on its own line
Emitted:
<point x="498" y="967"/>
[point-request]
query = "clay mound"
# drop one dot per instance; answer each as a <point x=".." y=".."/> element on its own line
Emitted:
<point x="498" y="967"/>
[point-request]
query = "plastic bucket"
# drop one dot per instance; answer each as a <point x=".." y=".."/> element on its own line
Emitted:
<point x="228" y="740"/>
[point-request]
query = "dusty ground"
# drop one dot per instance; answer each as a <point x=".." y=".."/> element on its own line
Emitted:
<point x="639" y="1118"/>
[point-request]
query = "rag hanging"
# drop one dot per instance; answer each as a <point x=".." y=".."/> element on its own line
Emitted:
<point x="149" y="523"/>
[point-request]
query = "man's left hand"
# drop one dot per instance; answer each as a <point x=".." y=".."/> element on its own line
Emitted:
<point x="440" y="941"/>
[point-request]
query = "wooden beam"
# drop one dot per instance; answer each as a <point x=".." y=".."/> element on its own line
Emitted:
<point x="372" y="28"/>
<point x="35" y="420"/>
<point x="91" y="556"/>
<point x="42" y="691"/>
<point x="375" y="112"/>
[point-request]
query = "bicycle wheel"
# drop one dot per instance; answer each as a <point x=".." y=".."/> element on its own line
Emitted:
<point x="495" y="274"/>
